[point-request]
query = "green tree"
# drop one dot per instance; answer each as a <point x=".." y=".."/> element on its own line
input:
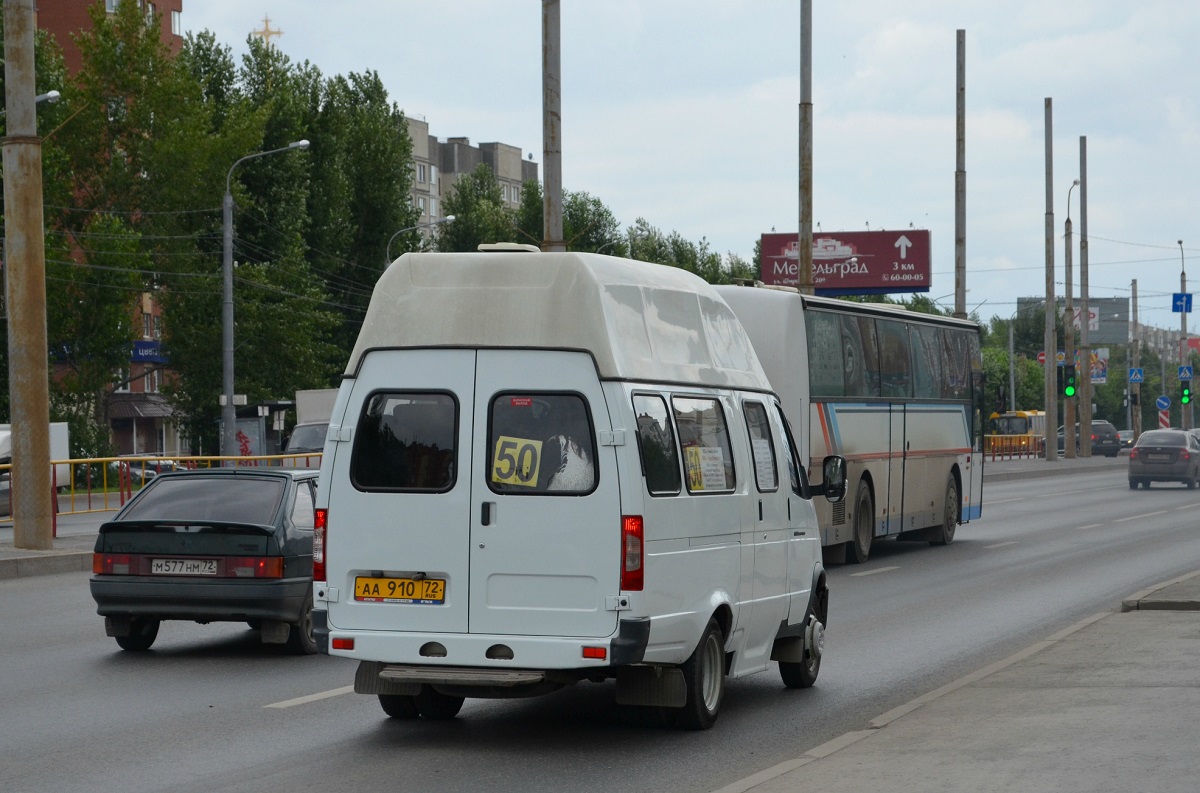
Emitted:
<point x="361" y="179"/>
<point x="479" y="212"/>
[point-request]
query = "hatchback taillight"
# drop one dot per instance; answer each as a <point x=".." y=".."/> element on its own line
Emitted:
<point x="1133" y="453"/>
<point x="320" y="522"/>
<point x="633" y="553"/>
<point x="111" y="563"/>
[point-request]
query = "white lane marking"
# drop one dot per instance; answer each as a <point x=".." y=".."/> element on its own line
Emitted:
<point x="291" y="703"/>
<point x="1139" y="517"/>
<point x="1060" y="493"/>
<point x="1092" y="526"/>
<point x="1003" y="501"/>
<point x="876" y="570"/>
<point x="1185" y="506"/>
<point x="1001" y="544"/>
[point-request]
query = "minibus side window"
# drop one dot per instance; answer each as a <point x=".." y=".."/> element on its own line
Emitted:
<point x="406" y="441"/>
<point x="656" y="442"/>
<point x="704" y="438"/>
<point x="541" y="444"/>
<point x="759" y="428"/>
<point x="796" y="472"/>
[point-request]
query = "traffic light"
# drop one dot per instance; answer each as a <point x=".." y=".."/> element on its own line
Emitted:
<point x="1069" y="380"/>
<point x="1185" y="392"/>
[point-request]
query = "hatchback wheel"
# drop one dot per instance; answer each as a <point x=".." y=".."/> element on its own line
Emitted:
<point x="142" y="634"/>
<point x="300" y="639"/>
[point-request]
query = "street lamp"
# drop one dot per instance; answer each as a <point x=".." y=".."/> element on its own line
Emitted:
<point x="1185" y="411"/>
<point x="447" y="219"/>
<point x="1069" y="332"/>
<point x="49" y="96"/>
<point x="228" y="414"/>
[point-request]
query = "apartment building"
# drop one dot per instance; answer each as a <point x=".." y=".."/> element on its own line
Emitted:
<point x="438" y="165"/>
<point x="65" y="19"/>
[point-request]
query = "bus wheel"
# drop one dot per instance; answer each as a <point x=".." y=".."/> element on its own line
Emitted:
<point x="864" y="525"/>
<point x="944" y="534"/>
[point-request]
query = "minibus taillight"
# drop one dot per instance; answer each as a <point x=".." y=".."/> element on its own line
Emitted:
<point x="320" y="521"/>
<point x="633" y="550"/>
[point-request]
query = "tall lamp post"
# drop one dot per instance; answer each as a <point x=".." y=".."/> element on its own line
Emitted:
<point x="447" y="219"/>
<point x="1185" y="411"/>
<point x="1069" y="336"/>
<point x="228" y="413"/>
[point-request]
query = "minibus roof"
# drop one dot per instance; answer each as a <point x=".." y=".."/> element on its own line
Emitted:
<point x="640" y="321"/>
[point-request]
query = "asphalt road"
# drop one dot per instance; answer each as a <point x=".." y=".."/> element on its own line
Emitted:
<point x="211" y="709"/>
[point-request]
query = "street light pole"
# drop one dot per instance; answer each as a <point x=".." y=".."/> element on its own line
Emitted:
<point x="1185" y="411"/>
<point x="447" y="219"/>
<point x="1069" y="339"/>
<point x="228" y="413"/>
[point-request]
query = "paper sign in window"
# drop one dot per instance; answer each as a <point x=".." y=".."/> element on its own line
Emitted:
<point x="764" y="463"/>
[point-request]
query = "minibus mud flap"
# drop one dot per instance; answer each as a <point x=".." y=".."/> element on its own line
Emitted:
<point x="629" y="645"/>
<point x="656" y="686"/>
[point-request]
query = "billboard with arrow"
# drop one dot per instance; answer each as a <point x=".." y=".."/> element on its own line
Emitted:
<point x="852" y="262"/>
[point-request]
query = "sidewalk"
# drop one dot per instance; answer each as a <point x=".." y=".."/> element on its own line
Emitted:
<point x="1109" y="704"/>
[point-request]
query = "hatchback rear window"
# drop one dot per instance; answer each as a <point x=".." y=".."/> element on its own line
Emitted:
<point x="216" y="497"/>
<point x="1160" y="438"/>
<point x="406" y="441"/>
<point x="541" y="444"/>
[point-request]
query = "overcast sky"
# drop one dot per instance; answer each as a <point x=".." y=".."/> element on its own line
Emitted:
<point x="685" y="112"/>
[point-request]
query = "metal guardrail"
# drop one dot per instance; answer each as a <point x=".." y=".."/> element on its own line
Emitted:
<point x="104" y="484"/>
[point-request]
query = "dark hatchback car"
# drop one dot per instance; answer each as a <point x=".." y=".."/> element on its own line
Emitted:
<point x="1165" y="456"/>
<point x="215" y="545"/>
<point x="1104" y="438"/>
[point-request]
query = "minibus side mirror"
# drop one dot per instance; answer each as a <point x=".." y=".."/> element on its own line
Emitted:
<point x="833" y="478"/>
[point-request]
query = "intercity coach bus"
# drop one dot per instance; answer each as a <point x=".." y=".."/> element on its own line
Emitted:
<point x="898" y="393"/>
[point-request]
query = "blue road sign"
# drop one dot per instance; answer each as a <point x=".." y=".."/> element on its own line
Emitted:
<point x="1185" y="373"/>
<point x="1137" y="375"/>
<point x="1181" y="302"/>
<point x="1163" y="402"/>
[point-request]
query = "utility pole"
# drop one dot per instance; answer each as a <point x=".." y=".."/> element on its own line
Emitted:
<point x="960" y="182"/>
<point x="552" y="239"/>
<point x="1085" y="314"/>
<point x="805" y="276"/>
<point x="1135" y="357"/>
<point x="1069" y="338"/>
<point x="1049" y="340"/>
<point x="33" y="498"/>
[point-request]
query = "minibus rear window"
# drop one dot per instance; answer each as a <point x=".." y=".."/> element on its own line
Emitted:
<point x="541" y="444"/>
<point x="406" y="441"/>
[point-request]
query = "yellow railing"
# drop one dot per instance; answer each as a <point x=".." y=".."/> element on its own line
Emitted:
<point x="100" y="484"/>
<point x="1004" y="447"/>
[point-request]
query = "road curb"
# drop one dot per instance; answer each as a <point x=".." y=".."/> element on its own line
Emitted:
<point x="46" y="563"/>
<point x="1135" y="602"/>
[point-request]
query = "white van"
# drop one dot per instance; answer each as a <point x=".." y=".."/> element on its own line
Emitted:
<point x="543" y="468"/>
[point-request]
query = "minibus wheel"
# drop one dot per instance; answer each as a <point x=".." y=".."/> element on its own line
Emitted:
<point x="704" y="675"/>
<point x="436" y="706"/>
<point x="864" y="525"/>
<point x="399" y="706"/>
